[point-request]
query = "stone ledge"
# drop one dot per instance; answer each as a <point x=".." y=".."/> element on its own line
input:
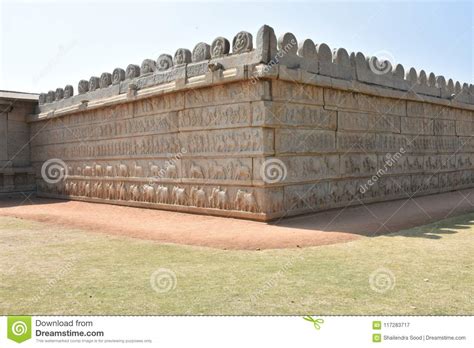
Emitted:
<point x="171" y="207"/>
<point x="301" y="76"/>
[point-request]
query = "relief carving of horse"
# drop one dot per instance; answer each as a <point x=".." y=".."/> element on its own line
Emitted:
<point x="198" y="197"/>
<point x="149" y="193"/>
<point x="179" y="195"/>
<point x="135" y="193"/>
<point x="245" y="201"/>
<point x="122" y="170"/>
<point x="219" y="198"/>
<point x="162" y="193"/>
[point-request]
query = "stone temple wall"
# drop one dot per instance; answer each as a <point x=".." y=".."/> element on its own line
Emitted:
<point x="16" y="173"/>
<point x="260" y="133"/>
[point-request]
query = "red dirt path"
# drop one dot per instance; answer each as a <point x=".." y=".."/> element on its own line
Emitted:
<point x="311" y="230"/>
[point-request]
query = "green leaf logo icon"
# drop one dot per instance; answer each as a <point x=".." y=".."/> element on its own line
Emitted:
<point x="19" y="328"/>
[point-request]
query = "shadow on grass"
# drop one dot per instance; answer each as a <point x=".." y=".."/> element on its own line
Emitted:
<point x="438" y="229"/>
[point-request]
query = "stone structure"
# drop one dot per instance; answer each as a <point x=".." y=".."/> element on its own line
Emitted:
<point x="257" y="130"/>
<point x="16" y="173"/>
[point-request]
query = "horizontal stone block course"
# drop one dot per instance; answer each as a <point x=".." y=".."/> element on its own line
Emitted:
<point x="201" y="143"/>
<point x="229" y="199"/>
<point x="368" y="122"/>
<point x="444" y="127"/>
<point x="278" y="114"/>
<point x="304" y="141"/>
<point x="358" y="102"/>
<point x="281" y="170"/>
<point x="356" y="142"/>
<point x="358" y="164"/>
<point x="215" y="117"/>
<point x="145" y="125"/>
<point x="417" y="125"/>
<point x="464" y="128"/>
<point x="296" y="92"/>
<point x="218" y="169"/>
<point x="242" y="141"/>
<point x="225" y="94"/>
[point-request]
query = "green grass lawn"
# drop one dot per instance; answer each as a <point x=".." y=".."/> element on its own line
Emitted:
<point x="46" y="269"/>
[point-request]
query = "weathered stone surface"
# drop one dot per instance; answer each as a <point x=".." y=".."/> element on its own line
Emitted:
<point x="243" y="42"/>
<point x="212" y="117"/>
<point x="220" y="47"/>
<point x="148" y="66"/>
<point x="293" y="114"/>
<point x="59" y="94"/>
<point x="304" y="141"/>
<point x="118" y="76"/>
<point x="217" y="170"/>
<point x="202" y="51"/>
<point x="50" y="97"/>
<point x="105" y="80"/>
<point x="68" y="91"/>
<point x="230" y="93"/>
<point x="307" y="94"/>
<point x="132" y="71"/>
<point x="356" y="142"/>
<point x="368" y="122"/>
<point x="16" y="174"/>
<point x="363" y="102"/>
<point x="182" y="56"/>
<point x="266" y="45"/>
<point x="164" y="62"/>
<point x="94" y="83"/>
<point x="42" y="98"/>
<point x="237" y="142"/>
<point x="358" y="164"/>
<point x="417" y="125"/>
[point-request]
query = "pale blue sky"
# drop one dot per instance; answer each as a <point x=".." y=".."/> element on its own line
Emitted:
<point x="45" y="45"/>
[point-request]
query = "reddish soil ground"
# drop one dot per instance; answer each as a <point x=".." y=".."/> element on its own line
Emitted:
<point x="310" y="230"/>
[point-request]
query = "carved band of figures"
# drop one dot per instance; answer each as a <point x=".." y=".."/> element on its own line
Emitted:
<point x="198" y="196"/>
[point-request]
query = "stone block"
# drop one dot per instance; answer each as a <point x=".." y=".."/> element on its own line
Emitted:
<point x="304" y="141"/>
